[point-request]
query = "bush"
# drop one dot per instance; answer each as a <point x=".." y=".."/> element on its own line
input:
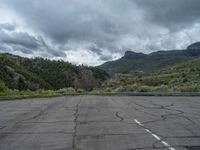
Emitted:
<point x="21" y="84"/>
<point x="119" y="89"/>
<point x="62" y="91"/>
<point x="69" y="90"/>
<point x="13" y="92"/>
<point x="80" y="90"/>
<point x="189" y="88"/>
<point x="108" y="89"/>
<point x="2" y="86"/>
<point x="131" y="88"/>
<point x="162" y="88"/>
<point x="144" y="89"/>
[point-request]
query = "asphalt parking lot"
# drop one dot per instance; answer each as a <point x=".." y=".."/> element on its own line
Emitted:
<point x="101" y="123"/>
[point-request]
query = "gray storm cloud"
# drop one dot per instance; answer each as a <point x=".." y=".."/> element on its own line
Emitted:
<point x="172" y="14"/>
<point x="102" y="27"/>
<point x="11" y="40"/>
<point x="7" y="26"/>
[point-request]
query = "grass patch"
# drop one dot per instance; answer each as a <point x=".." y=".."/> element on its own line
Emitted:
<point x="16" y="94"/>
<point x="9" y="94"/>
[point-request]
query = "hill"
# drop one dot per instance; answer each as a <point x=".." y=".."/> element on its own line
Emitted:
<point x="24" y="73"/>
<point x="132" y="61"/>
<point x="184" y="77"/>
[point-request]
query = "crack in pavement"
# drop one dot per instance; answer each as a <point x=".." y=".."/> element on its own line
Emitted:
<point x="144" y="112"/>
<point x="121" y="119"/>
<point x="155" y="135"/>
<point x="41" y="112"/>
<point x="183" y="137"/>
<point x="109" y="134"/>
<point x="2" y="127"/>
<point x="45" y="122"/>
<point x="157" y="106"/>
<point x="143" y="148"/>
<point x="76" y="114"/>
<point x="177" y="137"/>
<point x="160" y="147"/>
<point x="163" y="117"/>
<point x="13" y="126"/>
<point x="178" y="114"/>
<point x="11" y="133"/>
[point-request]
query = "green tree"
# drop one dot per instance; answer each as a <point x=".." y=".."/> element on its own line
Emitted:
<point x="2" y="86"/>
<point x="21" y="84"/>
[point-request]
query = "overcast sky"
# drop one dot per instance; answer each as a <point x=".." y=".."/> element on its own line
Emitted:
<point x="94" y="31"/>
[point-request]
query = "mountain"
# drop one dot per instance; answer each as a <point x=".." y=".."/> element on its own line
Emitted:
<point x="194" y="46"/>
<point x="132" y="61"/>
<point x="24" y="73"/>
<point x="184" y="77"/>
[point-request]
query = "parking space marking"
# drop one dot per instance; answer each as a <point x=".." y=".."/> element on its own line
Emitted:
<point x="154" y="135"/>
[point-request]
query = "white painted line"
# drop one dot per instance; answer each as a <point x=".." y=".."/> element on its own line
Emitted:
<point x="157" y="137"/>
<point x="154" y="135"/>
<point x="148" y="130"/>
<point x="138" y="122"/>
<point x="164" y="143"/>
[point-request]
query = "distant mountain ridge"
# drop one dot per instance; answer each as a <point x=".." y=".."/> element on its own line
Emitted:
<point x="133" y="61"/>
<point x="194" y="46"/>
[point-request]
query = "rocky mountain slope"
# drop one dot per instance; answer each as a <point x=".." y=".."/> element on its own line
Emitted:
<point x="184" y="77"/>
<point x="132" y="61"/>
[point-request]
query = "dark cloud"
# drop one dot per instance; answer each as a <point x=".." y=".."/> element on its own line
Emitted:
<point x="96" y="50"/>
<point x="19" y="48"/>
<point x="4" y="49"/>
<point x="27" y="44"/>
<point x="7" y="26"/>
<point x="105" y="57"/>
<point x="97" y="22"/>
<point x="100" y="53"/>
<point x="104" y="27"/>
<point x="173" y="14"/>
<point x="19" y="38"/>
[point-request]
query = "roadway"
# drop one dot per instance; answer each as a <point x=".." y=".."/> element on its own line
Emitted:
<point x="101" y="123"/>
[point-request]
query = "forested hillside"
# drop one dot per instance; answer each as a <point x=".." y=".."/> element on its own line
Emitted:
<point x="38" y="73"/>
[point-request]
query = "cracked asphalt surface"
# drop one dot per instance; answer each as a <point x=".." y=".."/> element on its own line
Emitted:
<point x="101" y="123"/>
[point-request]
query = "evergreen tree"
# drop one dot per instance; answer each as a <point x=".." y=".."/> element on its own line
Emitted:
<point x="21" y="84"/>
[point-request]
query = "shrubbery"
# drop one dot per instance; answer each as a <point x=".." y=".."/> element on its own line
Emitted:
<point x="188" y="88"/>
<point x="144" y="89"/>
<point x="2" y="86"/>
<point x="69" y="90"/>
<point x="179" y="78"/>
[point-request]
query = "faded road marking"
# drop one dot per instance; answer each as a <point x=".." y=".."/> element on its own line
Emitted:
<point x="154" y="135"/>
